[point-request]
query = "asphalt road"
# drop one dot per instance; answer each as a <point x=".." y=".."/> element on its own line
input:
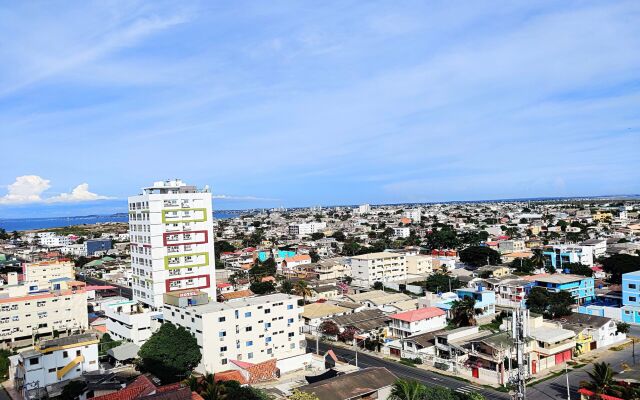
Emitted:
<point x="403" y="371"/>
<point x="123" y="291"/>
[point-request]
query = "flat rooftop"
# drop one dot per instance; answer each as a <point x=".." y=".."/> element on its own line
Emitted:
<point x="561" y="278"/>
<point x="241" y="303"/>
<point x="377" y="256"/>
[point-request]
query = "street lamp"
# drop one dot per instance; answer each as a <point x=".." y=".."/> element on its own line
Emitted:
<point x="355" y="345"/>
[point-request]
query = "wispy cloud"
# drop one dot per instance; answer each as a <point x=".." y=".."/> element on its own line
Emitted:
<point x="30" y="188"/>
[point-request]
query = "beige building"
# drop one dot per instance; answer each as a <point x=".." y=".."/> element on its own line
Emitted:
<point x="378" y="267"/>
<point x="250" y="330"/>
<point x="41" y="273"/>
<point x="419" y="265"/>
<point x="25" y="315"/>
<point x="332" y="269"/>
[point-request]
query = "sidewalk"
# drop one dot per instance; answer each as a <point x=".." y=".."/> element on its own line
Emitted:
<point x="10" y="391"/>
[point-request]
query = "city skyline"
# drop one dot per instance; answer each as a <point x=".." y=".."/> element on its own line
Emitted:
<point x="296" y="105"/>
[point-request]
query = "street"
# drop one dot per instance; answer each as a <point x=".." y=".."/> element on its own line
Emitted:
<point x="404" y="371"/>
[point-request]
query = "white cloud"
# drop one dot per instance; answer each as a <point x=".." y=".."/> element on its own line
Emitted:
<point x="26" y="189"/>
<point x="79" y="193"/>
<point x="241" y="198"/>
<point x="29" y="189"/>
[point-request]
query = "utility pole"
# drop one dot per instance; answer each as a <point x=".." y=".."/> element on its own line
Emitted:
<point x="566" y="373"/>
<point x="519" y="333"/>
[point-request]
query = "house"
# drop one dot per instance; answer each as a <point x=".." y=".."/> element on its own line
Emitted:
<point x="550" y="345"/>
<point x="581" y="287"/>
<point x="335" y="268"/>
<point x="377" y="298"/>
<point x="54" y="361"/>
<point x="485" y="300"/>
<point x="416" y="346"/>
<point x="493" y="271"/>
<point x="144" y="387"/>
<point x="314" y="313"/>
<point x="592" y="331"/>
<point x="367" y="383"/>
<point x="324" y="292"/>
<point x="370" y="320"/>
<point x="512" y="293"/>
<point x="413" y="322"/>
<point x="290" y="264"/>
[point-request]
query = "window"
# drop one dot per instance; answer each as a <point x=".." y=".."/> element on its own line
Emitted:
<point x="248" y="329"/>
<point x="247" y="314"/>
<point x="632" y="286"/>
<point x="223" y="361"/>
<point x="290" y="321"/>
<point x="292" y="346"/>
<point x="34" y="361"/>
<point x="632" y="298"/>
<point x="268" y="339"/>
<point x="65" y="354"/>
<point x="222" y="334"/>
<point x="291" y="334"/>
<point x="223" y="349"/>
<point x="249" y="343"/>
<point x="52" y="370"/>
<point x="269" y="351"/>
<point x="250" y="355"/>
<point x="289" y="306"/>
<point x="221" y="319"/>
<point x="267" y="311"/>
<point x="77" y="353"/>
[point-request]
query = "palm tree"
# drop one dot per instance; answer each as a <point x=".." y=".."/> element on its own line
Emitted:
<point x="302" y="289"/>
<point x="464" y="311"/>
<point x="538" y="258"/>
<point x="601" y="379"/>
<point x="407" y="389"/>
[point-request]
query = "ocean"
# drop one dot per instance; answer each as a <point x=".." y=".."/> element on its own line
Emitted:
<point x="22" y="224"/>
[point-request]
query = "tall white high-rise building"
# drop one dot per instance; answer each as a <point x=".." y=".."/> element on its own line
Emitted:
<point x="171" y="231"/>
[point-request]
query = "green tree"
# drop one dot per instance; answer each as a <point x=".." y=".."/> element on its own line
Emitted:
<point x="443" y="237"/>
<point x="407" y="389"/>
<point x="619" y="264"/>
<point x="301" y="288"/>
<point x="378" y="285"/>
<point x="4" y="364"/>
<point x="298" y="395"/>
<point x="464" y="312"/>
<point x="523" y="266"/>
<point x="339" y="236"/>
<point x="107" y="343"/>
<point x="315" y="257"/>
<point x="286" y="287"/>
<point x="623" y="327"/>
<point x="222" y="246"/>
<point x="170" y="353"/>
<point x="478" y="256"/>
<point x="317" y="236"/>
<point x="549" y="304"/>
<point x="440" y="282"/>
<point x="601" y="379"/>
<point x="261" y="288"/>
<point x="538" y="258"/>
<point x="578" y="269"/>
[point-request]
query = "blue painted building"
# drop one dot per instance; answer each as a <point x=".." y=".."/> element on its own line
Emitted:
<point x="631" y="297"/>
<point x="582" y="288"/>
<point x="280" y="254"/>
<point x="485" y="299"/>
<point x="94" y="245"/>
<point x="559" y="255"/>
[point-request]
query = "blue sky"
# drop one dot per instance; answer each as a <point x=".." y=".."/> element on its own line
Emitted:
<point x="302" y="103"/>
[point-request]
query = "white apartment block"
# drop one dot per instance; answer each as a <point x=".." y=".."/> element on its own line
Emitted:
<point x="25" y="314"/>
<point x="363" y="209"/>
<point x="414" y="215"/>
<point x="43" y="272"/>
<point x="171" y="231"/>
<point x="378" y="267"/>
<point x="128" y="320"/>
<point x="54" y="361"/>
<point x="419" y="265"/>
<point x="52" y="240"/>
<point x="250" y="330"/>
<point x="401" y="232"/>
<point x="75" y="250"/>
<point x="306" y="229"/>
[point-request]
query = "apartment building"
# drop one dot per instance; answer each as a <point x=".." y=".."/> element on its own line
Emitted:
<point x="598" y="247"/>
<point x="43" y="272"/>
<point x="49" y="239"/>
<point x="402" y="232"/>
<point x="383" y="267"/>
<point x="581" y="287"/>
<point x="415" y="215"/>
<point x="419" y="265"/>
<point x="558" y="255"/>
<point x="171" y="231"/>
<point x="25" y="314"/>
<point x="511" y="246"/>
<point x="306" y="229"/>
<point x="52" y="362"/>
<point x="631" y="297"/>
<point x="128" y="320"/>
<point x="250" y="330"/>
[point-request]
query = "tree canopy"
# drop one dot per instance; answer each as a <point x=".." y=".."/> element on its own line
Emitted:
<point x="619" y="264"/>
<point x="578" y="269"/>
<point x="439" y="282"/>
<point x="258" y="287"/>
<point x="170" y="353"/>
<point x="549" y="304"/>
<point x="477" y="256"/>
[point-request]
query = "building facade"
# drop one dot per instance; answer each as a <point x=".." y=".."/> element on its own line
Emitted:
<point x="250" y="330"/>
<point x="43" y="272"/>
<point x="368" y="269"/>
<point x="171" y="231"/>
<point x="580" y="287"/>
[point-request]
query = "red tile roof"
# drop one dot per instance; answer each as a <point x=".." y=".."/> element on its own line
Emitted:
<point x="230" y="375"/>
<point x="142" y="386"/>
<point x="419" y="314"/>
<point x="298" y="257"/>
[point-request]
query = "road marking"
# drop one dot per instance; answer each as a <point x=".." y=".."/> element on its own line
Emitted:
<point x="466" y="389"/>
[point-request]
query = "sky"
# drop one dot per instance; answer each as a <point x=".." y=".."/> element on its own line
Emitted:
<point x="298" y="103"/>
